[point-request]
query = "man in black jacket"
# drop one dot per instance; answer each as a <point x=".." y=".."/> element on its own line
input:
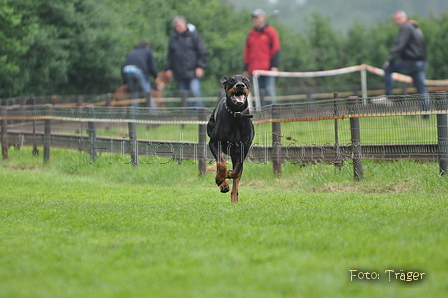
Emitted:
<point x="409" y="47"/>
<point x="187" y="58"/>
<point x="138" y="64"/>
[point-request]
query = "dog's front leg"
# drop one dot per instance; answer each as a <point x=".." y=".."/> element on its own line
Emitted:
<point x="221" y="176"/>
<point x="221" y="167"/>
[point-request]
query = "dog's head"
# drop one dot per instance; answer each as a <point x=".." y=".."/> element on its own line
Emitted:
<point x="237" y="89"/>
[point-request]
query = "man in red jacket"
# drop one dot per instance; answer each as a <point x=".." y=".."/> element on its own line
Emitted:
<point x="261" y="52"/>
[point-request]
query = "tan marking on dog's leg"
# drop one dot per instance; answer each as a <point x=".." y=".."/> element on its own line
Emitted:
<point x="221" y="173"/>
<point x="234" y="194"/>
<point x="236" y="172"/>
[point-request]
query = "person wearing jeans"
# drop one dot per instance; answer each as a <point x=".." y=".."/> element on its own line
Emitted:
<point x="194" y="85"/>
<point x="137" y="67"/>
<point x="134" y="77"/>
<point x="267" y="84"/>
<point x="410" y="50"/>
<point x="186" y="60"/>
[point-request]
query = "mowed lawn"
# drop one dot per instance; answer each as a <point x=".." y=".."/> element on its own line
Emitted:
<point x="73" y="229"/>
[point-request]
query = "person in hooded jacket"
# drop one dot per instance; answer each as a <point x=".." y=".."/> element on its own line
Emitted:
<point x="187" y="56"/>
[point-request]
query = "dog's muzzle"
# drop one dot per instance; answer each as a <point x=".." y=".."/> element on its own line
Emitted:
<point x="239" y="97"/>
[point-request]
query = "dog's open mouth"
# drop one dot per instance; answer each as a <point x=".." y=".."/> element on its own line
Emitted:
<point x="239" y="97"/>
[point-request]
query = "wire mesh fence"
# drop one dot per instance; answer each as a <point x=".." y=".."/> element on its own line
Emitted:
<point x="393" y="127"/>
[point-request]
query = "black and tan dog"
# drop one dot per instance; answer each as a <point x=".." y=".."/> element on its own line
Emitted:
<point x="231" y="132"/>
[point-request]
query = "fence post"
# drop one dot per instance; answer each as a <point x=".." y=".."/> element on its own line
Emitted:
<point x="202" y="145"/>
<point x="309" y="96"/>
<point x="35" y="151"/>
<point x="442" y="132"/>
<point x="276" y="144"/>
<point x="337" y="160"/>
<point x="47" y="138"/>
<point x="184" y="96"/>
<point x="148" y="105"/>
<point x="4" y="133"/>
<point x="79" y="102"/>
<point x="364" y="86"/>
<point x="22" y="112"/>
<point x="356" y="139"/>
<point x="133" y="144"/>
<point x="109" y="97"/>
<point x="92" y="135"/>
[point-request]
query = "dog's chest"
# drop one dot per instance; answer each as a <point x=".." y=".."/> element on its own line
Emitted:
<point x="235" y="130"/>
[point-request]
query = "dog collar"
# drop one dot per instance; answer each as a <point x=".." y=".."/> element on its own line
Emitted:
<point x="242" y="114"/>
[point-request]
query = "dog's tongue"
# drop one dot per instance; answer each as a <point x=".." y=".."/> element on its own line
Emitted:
<point x="240" y="98"/>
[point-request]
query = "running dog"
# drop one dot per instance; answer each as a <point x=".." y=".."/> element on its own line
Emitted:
<point x="231" y="132"/>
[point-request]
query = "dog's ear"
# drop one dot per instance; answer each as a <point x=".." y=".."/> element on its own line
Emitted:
<point x="223" y="80"/>
<point x="246" y="81"/>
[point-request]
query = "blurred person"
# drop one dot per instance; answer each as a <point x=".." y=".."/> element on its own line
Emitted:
<point x="408" y="56"/>
<point x="137" y="67"/>
<point x="187" y="56"/>
<point x="261" y="52"/>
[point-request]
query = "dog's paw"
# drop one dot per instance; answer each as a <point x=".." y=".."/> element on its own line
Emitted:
<point x="224" y="187"/>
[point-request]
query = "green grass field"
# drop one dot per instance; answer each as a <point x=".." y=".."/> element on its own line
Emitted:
<point x="73" y="229"/>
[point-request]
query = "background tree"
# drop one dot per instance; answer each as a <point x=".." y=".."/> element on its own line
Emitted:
<point x="62" y="46"/>
<point x="15" y="39"/>
<point x="436" y="34"/>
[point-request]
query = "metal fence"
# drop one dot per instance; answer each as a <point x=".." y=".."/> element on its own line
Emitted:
<point x="336" y="130"/>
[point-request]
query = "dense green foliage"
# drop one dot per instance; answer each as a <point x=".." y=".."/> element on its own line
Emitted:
<point x="77" y="46"/>
<point x="62" y="46"/>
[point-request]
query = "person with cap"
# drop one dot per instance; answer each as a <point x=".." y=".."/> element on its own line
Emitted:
<point x="187" y="57"/>
<point x="261" y="52"/>
<point x="139" y="63"/>
<point x="408" y="56"/>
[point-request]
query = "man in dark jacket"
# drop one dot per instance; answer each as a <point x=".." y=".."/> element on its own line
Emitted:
<point x="138" y="64"/>
<point x="409" y="48"/>
<point x="187" y="58"/>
